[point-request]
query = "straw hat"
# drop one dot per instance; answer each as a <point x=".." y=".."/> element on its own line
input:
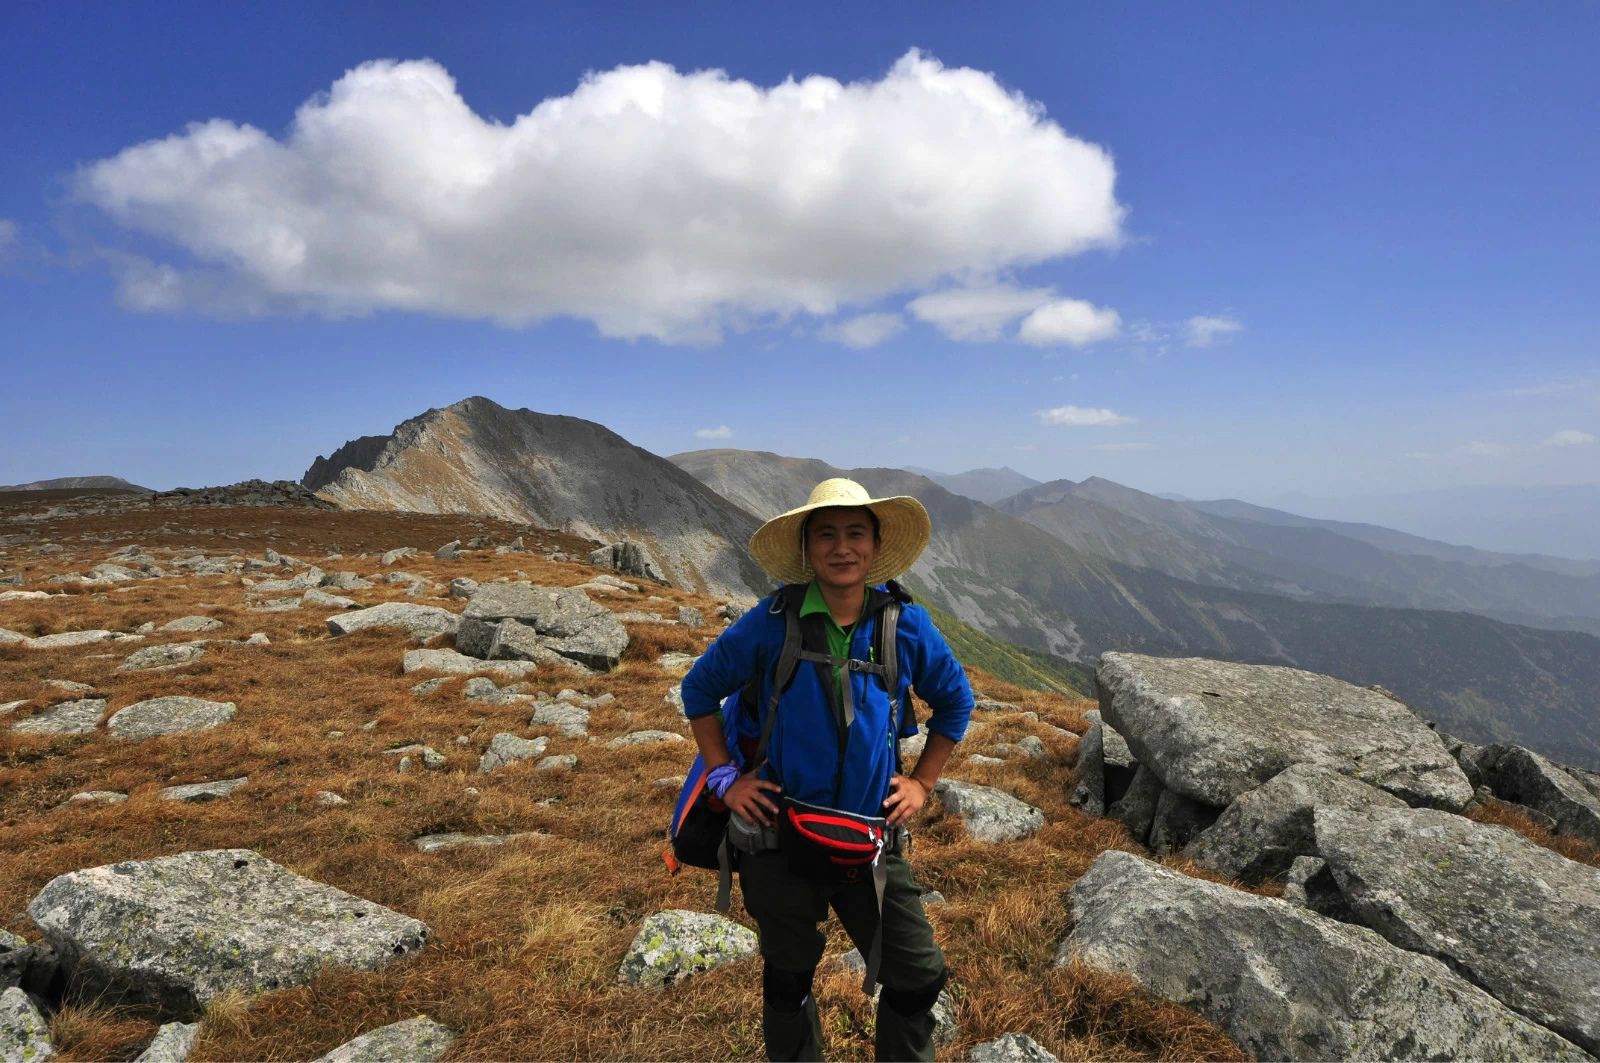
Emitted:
<point x="903" y="527"/>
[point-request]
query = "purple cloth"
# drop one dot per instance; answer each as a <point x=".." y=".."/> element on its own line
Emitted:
<point x="721" y="778"/>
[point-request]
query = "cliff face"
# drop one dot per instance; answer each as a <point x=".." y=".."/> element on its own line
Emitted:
<point x="476" y="456"/>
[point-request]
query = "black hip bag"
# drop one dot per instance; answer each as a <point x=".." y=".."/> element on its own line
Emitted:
<point x="828" y="844"/>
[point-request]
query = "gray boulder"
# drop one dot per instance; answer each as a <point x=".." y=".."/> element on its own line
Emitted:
<point x="689" y="616"/>
<point x="1213" y="730"/>
<point x="198" y="792"/>
<point x="677" y="664"/>
<point x="177" y="931"/>
<point x="507" y="748"/>
<point x="13" y="638"/>
<point x="990" y="815"/>
<point x="416" y="1040"/>
<point x="163" y="657"/>
<point x="1136" y="809"/>
<point x="1262" y="832"/>
<point x="326" y="600"/>
<point x="1513" y="917"/>
<point x="172" y="1043"/>
<point x="1282" y="982"/>
<point x="569" y="721"/>
<point x="1012" y="1048"/>
<point x="24" y="1035"/>
<point x="462" y="587"/>
<point x="454" y="663"/>
<point x="676" y="944"/>
<point x="67" y="718"/>
<point x="564" y="621"/>
<point x="69" y="639"/>
<point x="191" y="624"/>
<point x="628" y="558"/>
<point x="421" y="622"/>
<point x="169" y="715"/>
<point x="564" y="762"/>
<point x="346" y="581"/>
<point x="450" y="551"/>
<point x="1524" y="777"/>
<point x="398" y="554"/>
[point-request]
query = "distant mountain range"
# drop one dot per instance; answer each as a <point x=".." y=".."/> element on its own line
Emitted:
<point x="62" y="483"/>
<point x="983" y="485"/>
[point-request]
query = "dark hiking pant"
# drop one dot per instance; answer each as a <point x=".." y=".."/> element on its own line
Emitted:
<point x="787" y="910"/>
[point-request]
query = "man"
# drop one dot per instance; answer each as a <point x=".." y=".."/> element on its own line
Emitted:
<point x="832" y="744"/>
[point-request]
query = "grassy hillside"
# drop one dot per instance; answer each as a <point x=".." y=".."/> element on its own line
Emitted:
<point x="1014" y="664"/>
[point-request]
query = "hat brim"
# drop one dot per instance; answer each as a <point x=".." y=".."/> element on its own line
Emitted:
<point x="903" y="526"/>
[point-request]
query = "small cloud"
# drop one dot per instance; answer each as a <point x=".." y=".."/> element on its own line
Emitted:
<point x="1081" y="417"/>
<point x="977" y="314"/>
<point x="1147" y="332"/>
<point x="8" y="235"/>
<point x="1570" y="437"/>
<point x="1069" y="322"/>
<point x="1479" y="448"/>
<point x="865" y="330"/>
<point x="722" y="431"/>
<point x="1119" y="447"/>
<point x="1203" y="331"/>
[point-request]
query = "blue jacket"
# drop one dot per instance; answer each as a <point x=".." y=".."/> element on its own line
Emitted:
<point x="803" y="752"/>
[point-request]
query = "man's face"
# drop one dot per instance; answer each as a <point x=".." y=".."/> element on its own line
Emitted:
<point x="840" y="546"/>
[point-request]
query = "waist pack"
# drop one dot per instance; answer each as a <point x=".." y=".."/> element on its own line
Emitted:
<point x="829" y="845"/>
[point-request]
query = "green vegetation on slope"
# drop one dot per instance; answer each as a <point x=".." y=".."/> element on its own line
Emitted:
<point x="1014" y="664"/>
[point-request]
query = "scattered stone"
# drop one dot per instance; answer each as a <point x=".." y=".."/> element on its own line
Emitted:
<point x="172" y="1043"/>
<point x="109" y="573"/>
<point x="399" y="554"/>
<point x="169" y="715"/>
<point x="432" y="843"/>
<point x="329" y="799"/>
<point x="428" y="686"/>
<point x="505" y="620"/>
<point x="944" y="1019"/>
<point x="432" y="759"/>
<point x="689" y="616"/>
<point x="731" y="611"/>
<point x="990" y="815"/>
<point x="563" y="762"/>
<point x="450" y="551"/>
<point x="677" y="944"/>
<point x="67" y="639"/>
<point x="1213" y="730"/>
<point x="276" y="605"/>
<point x="7" y="707"/>
<point x="24" y="1034"/>
<point x="421" y="622"/>
<point x="460" y="664"/>
<point x="643" y="738"/>
<point x="676" y="663"/>
<point x="67" y="686"/>
<point x="192" y="623"/>
<point x="1031" y="747"/>
<point x="13" y="638"/>
<point x="1012" y="1048"/>
<point x="1282" y="982"/>
<point x="331" y="601"/>
<point x="506" y="748"/>
<point x="178" y="931"/>
<point x="97" y="797"/>
<point x="346" y="581"/>
<point x="979" y="759"/>
<point x="307" y="580"/>
<point x="482" y="689"/>
<point x="1523" y="776"/>
<point x="1264" y="830"/>
<point x="197" y="792"/>
<point x="570" y="721"/>
<point x="639" y="616"/>
<point x="991" y="705"/>
<point x="628" y="558"/>
<point x="416" y="1040"/>
<point x="462" y="587"/>
<point x="24" y="596"/>
<point x="163" y="657"/>
<point x="932" y="897"/>
<point x="67" y="718"/>
<point x="674" y="698"/>
<point x="1513" y="917"/>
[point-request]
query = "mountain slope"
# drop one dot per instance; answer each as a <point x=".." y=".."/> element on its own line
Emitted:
<point x="980" y="485"/>
<point x="557" y="472"/>
<point x="1013" y="580"/>
<point x="75" y="482"/>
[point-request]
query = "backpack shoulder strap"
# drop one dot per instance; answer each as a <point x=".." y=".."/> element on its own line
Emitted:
<point x="787" y="602"/>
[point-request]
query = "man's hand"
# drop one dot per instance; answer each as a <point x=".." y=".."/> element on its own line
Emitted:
<point x="906" y="798"/>
<point x="748" y="797"/>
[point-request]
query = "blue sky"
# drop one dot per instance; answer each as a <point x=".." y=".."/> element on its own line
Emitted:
<point x="1223" y="250"/>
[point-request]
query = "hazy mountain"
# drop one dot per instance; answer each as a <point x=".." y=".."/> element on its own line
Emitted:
<point x="982" y="485"/>
<point x="1231" y="544"/>
<point x="1012" y="579"/>
<point x="557" y="472"/>
<point x="73" y="482"/>
<point x="1563" y="521"/>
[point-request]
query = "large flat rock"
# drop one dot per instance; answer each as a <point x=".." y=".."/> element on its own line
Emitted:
<point x="1283" y="982"/>
<point x="173" y="714"/>
<point x="421" y="622"/>
<point x="67" y="718"/>
<point x="177" y="931"/>
<point x="1515" y="918"/>
<point x="1213" y="730"/>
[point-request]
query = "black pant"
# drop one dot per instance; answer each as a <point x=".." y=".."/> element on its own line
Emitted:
<point x="787" y="910"/>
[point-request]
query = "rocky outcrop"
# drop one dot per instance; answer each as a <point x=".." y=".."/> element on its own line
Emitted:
<point x="529" y="623"/>
<point x="1282" y="982"/>
<point x="1513" y="917"/>
<point x="1525" y="778"/>
<point x="421" y="622"/>
<point x="676" y="944"/>
<point x="1212" y="730"/>
<point x="630" y="559"/>
<point x="245" y="493"/>
<point x="176" y="931"/>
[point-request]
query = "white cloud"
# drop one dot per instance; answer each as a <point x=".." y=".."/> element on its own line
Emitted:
<point x="8" y="235"/>
<point x="1118" y="447"/>
<point x="977" y="314"/>
<point x="1203" y="331"/>
<point x="722" y="431"/>
<point x="1479" y="448"/>
<point x="648" y="201"/>
<point x="1570" y="437"/>
<point x="1081" y="417"/>
<point x="1069" y="322"/>
<point x="865" y="330"/>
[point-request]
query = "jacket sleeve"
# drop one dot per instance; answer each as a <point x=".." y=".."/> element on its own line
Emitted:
<point x="728" y="663"/>
<point x="939" y="678"/>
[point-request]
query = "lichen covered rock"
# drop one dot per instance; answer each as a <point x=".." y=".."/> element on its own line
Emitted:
<point x="675" y="944"/>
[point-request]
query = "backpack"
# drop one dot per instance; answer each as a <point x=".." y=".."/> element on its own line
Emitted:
<point x="699" y="827"/>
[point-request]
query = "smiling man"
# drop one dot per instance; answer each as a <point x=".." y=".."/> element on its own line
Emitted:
<point x="819" y="804"/>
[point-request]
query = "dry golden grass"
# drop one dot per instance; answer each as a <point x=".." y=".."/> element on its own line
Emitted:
<point x="1501" y="814"/>
<point x="526" y="938"/>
